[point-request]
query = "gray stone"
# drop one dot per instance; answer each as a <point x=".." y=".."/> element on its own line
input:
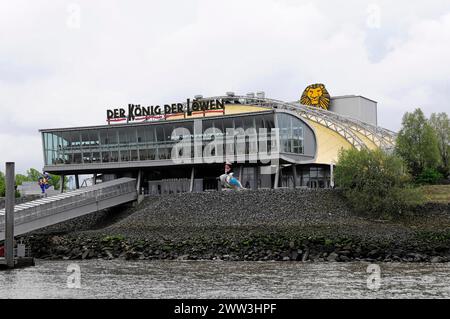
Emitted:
<point x="344" y="258"/>
<point x="85" y="254"/>
<point x="109" y="254"/>
<point x="332" y="257"/>
<point x="305" y="255"/>
<point x="183" y="257"/>
<point x="437" y="259"/>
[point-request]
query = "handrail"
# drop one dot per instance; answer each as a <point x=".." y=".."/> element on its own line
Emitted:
<point x="57" y="204"/>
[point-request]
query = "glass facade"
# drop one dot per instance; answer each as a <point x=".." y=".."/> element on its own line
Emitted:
<point x="291" y="133"/>
<point x="248" y="178"/>
<point x="159" y="141"/>
<point x="311" y="176"/>
<point x="314" y="177"/>
<point x="155" y="141"/>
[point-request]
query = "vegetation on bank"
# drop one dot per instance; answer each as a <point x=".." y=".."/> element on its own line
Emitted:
<point x="375" y="182"/>
<point x="284" y="224"/>
<point x="388" y="183"/>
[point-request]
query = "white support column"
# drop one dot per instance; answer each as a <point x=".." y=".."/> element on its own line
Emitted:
<point x="138" y="182"/>
<point x="332" y="175"/>
<point x="191" y="186"/>
<point x="9" y="214"/>
<point x="277" y="177"/>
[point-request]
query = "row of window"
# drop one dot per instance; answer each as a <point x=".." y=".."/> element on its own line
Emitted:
<point x="313" y="177"/>
<point x="156" y="141"/>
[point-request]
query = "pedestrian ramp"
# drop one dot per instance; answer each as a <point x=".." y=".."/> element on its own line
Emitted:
<point x="59" y="208"/>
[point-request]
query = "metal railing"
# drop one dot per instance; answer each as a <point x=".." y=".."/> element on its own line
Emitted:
<point x="343" y="125"/>
<point x="47" y="206"/>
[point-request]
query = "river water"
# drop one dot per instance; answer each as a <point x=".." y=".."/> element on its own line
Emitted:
<point x="219" y="279"/>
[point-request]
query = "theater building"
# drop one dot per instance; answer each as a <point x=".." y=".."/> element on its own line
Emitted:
<point x="182" y="147"/>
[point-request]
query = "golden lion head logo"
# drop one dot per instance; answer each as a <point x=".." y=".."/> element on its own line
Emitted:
<point x="316" y="95"/>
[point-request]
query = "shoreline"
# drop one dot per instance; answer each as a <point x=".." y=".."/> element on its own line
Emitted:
<point x="278" y="225"/>
<point x="255" y="248"/>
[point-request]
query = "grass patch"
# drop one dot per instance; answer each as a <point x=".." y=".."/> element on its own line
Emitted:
<point x="436" y="193"/>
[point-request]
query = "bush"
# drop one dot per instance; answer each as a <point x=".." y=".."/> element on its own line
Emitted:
<point x="2" y="184"/>
<point x="375" y="183"/>
<point x="430" y="176"/>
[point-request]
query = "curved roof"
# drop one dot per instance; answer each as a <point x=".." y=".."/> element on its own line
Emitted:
<point x="334" y="131"/>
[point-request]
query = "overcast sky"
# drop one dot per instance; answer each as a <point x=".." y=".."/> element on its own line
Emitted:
<point x="63" y="63"/>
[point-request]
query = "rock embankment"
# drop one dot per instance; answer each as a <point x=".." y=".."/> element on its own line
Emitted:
<point x="283" y="224"/>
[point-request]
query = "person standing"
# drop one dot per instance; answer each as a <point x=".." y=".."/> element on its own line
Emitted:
<point x="43" y="182"/>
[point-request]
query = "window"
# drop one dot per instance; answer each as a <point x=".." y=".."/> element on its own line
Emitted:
<point x="248" y="178"/>
<point x="77" y="158"/>
<point x="104" y="137"/>
<point x="106" y="156"/>
<point x="249" y="122"/>
<point x="144" y="154"/>
<point x="124" y="155"/>
<point x="96" y="157"/>
<point x="291" y="133"/>
<point x="134" y="155"/>
<point x="160" y="136"/>
<point x="114" y="156"/>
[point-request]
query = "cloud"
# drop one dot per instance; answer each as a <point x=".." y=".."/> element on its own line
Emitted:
<point x="53" y="74"/>
<point x="25" y="151"/>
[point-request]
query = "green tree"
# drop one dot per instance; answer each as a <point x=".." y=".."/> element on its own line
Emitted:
<point x="55" y="181"/>
<point x="417" y="143"/>
<point x="2" y="184"/>
<point x="441" y="125"/>
<point x="375" y="182"/>
<point x="429" y="176"/>
<point x="33" y="174"/>
<point x="21" y="178"/>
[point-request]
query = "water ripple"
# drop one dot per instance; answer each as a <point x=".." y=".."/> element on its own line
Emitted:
<point x="216" y="279"/>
